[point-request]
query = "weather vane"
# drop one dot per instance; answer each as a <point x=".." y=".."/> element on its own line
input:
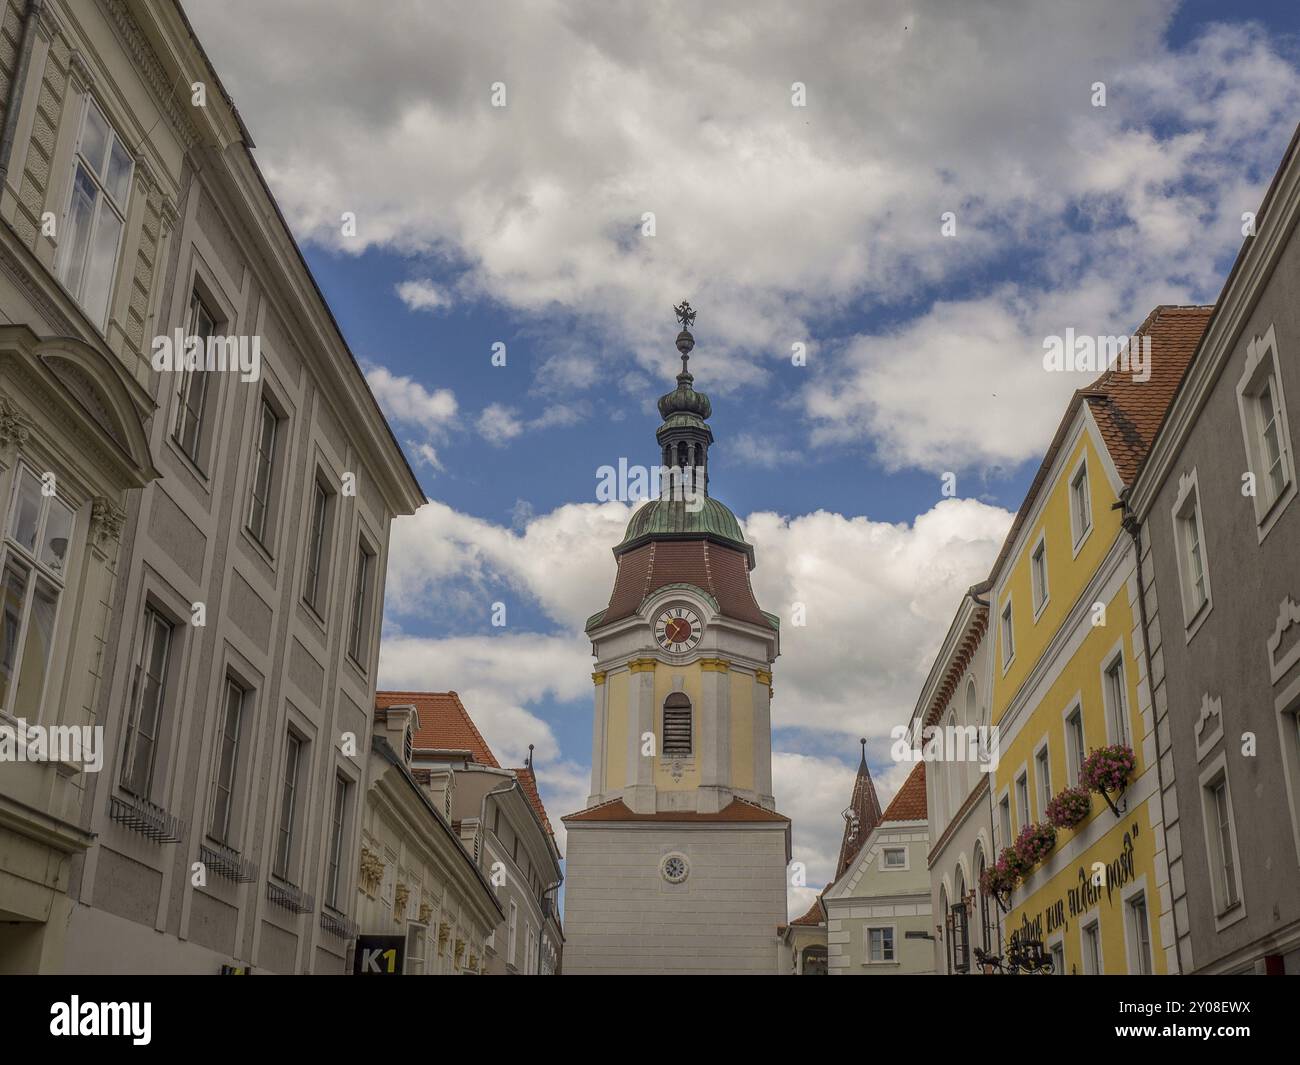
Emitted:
<point x="685" y="316"/>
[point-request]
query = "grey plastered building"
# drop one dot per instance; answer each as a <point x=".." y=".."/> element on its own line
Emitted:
<point x="229" y="638"/>
<point x="1221" y="583"/>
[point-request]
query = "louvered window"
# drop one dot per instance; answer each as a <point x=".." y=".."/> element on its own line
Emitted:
<point x="677" y="726"/>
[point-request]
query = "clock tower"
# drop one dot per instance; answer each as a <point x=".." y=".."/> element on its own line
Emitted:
<point x="678" y="862"/>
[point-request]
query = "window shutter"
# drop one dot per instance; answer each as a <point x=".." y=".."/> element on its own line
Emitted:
<point x="677" y="726"/>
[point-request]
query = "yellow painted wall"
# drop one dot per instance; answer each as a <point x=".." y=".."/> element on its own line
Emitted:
<point x="690" y="675"/>
<point x="1067" y="576"/>
<point x="742" y="730"/>
<point x="1081" y="675"/>
<point x="616" y="731"/>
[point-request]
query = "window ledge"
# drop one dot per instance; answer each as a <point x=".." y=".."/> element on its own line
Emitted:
<point x="1194" y="623"/>
<point x="1269" y="518"/>
<point x="1082" y="539"/>
<point x="262" y="550"/>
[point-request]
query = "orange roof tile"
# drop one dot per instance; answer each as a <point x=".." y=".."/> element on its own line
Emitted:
<point x="445" y="724"/>
<point x="909" y="804"/>
<point x="813" y="917"/>
<point x="617" y="810"/>
<point x="1129" y="413"/>
<point x="528" y="782"/>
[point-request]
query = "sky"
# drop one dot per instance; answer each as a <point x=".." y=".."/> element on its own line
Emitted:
<point x="878" y="212"/>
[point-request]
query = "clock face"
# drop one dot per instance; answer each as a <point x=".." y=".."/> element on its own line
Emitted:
<point x="678" y="629"/>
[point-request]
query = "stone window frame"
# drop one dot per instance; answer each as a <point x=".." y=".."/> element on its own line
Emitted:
<point x="1214" y="773"/>
<point x="1186" y="508"/>
<point x="1264" y="364"/>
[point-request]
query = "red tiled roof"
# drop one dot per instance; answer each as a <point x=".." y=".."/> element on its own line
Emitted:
<point x="617" y="810"/>
<point x="866" y="804"/>
<point x="722" y="572"/>
<point x="813" y="917"/>
<point x="1129" y="413"/>
<point x="445" y="724"/>
<point x="909" y="804"/>
<point x="528" y="782"/>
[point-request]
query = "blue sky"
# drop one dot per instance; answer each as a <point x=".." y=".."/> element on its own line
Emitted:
<point x="781" y="224"/>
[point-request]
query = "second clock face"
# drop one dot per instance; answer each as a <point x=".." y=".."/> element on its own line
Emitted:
<point x="678" y="629"/>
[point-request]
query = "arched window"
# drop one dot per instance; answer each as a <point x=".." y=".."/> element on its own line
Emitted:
<point x="946" y="918"/>
<point x="980" y="866"/>
<point x="959" y="926"/>
<point x="677" y="726"/>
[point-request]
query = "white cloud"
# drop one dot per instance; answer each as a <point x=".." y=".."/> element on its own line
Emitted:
<point x="499" y="424"/>
<point x="407" y="402"/>
<point x="423" y="295"/>
<point x="772" y="218"/>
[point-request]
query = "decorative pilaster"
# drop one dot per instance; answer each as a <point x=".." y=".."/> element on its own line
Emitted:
<point x="599" y="730"/>
<point x="714" y="728"/>
<point x="763" y="739"/>
<point x="639" y="793"/>
<point x="106" y="520"/>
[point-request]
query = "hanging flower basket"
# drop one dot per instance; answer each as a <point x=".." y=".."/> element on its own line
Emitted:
<point x="1034" y="843"/>
<point x="1069" y="808"/>
<point x="1000" y="878"/>
<point x="1108" y="769"/>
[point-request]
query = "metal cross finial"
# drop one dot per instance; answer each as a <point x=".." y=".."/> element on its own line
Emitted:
<point x="685" y="316"/>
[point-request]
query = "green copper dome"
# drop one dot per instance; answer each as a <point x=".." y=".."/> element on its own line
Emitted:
<point x="674" y="518"/>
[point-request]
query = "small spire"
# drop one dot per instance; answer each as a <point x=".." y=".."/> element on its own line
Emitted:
<point x="863" y="741"/>
<point x="530" y="756"/>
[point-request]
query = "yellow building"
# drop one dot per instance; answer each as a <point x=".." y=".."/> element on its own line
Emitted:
<point x="1068" y="676"/>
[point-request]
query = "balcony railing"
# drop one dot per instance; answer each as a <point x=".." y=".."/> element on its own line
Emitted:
<point x="228" y="863"/>
<point x="293" y="899"/>
<point x="338" y="925"/>
<point x="146" y="818"/>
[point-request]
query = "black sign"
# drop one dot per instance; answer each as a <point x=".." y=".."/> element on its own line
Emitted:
<point x="379" y="956"/>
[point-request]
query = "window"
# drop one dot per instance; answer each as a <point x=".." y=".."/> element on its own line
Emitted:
<point x="1057" y="950"/>
<point x="1042" y="766"/>
<point x="980" y="865"/>
<point x="677" y="726"/>
<point x="288" y="806"/>
<point x="1008" y="637"/>
<point x="417" y="938"/>
<point x="38" y="534"/>
<point x="1038" y="576"/>
<point x="1004" y="820"/>
<point x="1080" y="504"/>
<point x="1264" y="427"/>
<point x="148" y="687"/>
<point x="1140" y="934"/>
<point x="1189" y="546"/>
<point x="359" y="637"/>
<point x="192" y="386"/>
<point x="880" y="944"/>
<point x="1223" y="866"/>
<point x="227" y="762"/>
<point x="318" y="533"/>
<point x="895" y="858"/>
<point x="1116" y="700"/>
<point x="511" y="932"/>
<point x="93" y="224"/>
<point x="259" y="507"/>
<point x="531" y="954"/>
<point x="1092" y="949"/>
<point x="1075" y="749"/>
<point x="1022" y="800"/>
<point x="334" y="869"/>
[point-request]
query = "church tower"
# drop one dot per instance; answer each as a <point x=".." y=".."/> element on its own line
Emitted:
<point x="678" y="863"/>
